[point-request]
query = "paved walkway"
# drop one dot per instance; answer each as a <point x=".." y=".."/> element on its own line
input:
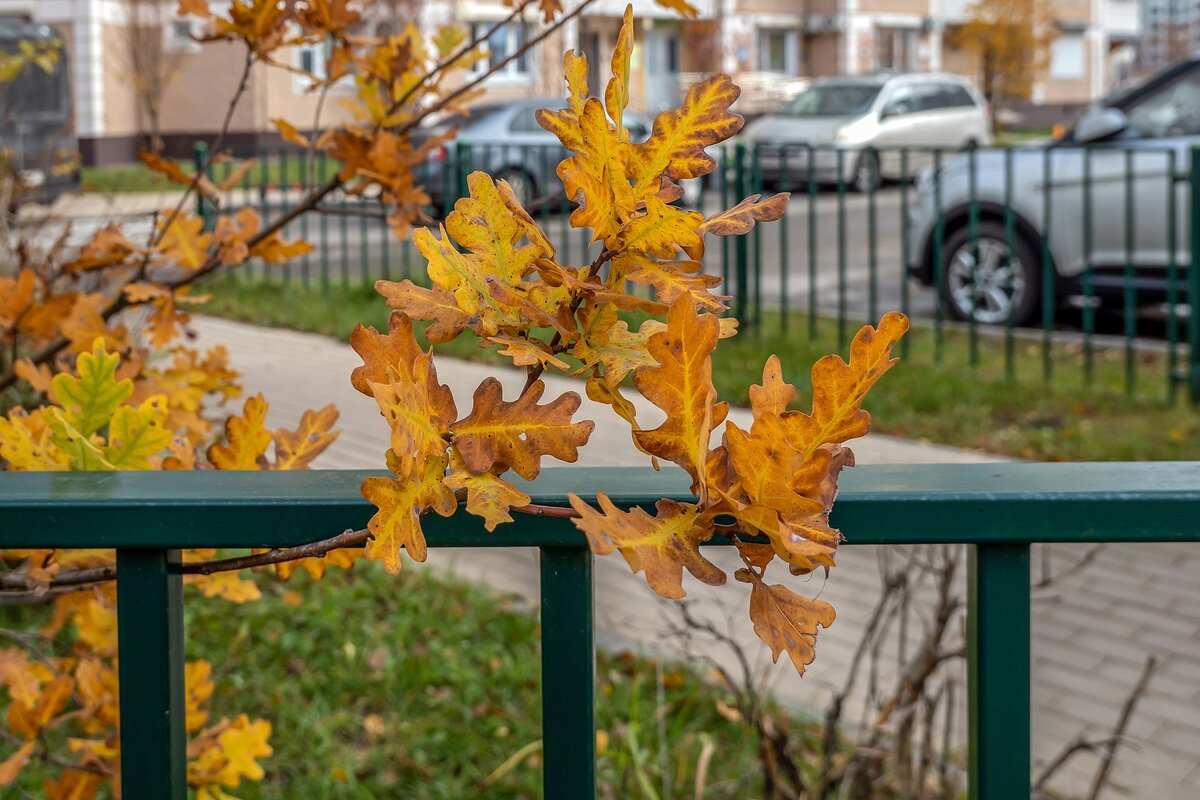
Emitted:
<point x="1092" y="630"/>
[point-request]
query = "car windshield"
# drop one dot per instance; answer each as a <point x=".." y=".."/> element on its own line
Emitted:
<point x="1173" y="110"/>
<point x="833" y="100"/>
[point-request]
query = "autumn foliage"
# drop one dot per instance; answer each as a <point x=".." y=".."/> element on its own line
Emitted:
<point x="95" y="373"/>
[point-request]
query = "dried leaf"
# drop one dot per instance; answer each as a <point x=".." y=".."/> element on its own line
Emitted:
<point x="786" y="621"/>
<point x="488" y="495"/>
<point x="660" y="545"/>
<point x="499" y="435"/>
<point x="246" y="438"/>
<point x="741" y="218"/>
<point x="297" y="449"/>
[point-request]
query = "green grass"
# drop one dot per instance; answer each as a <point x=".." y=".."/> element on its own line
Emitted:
<point x="420" y="687"/>
<point x="272" y="172"/>
<point x="947" y="400"/>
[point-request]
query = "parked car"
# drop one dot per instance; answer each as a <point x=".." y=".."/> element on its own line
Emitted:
<point x="854" y="127"/>
<point x="1071" y="198"/>
<point x="507" y="142"/>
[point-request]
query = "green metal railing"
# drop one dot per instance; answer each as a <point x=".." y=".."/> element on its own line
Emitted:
<point x="841" y="254"/>
<point x="999" y="509"/>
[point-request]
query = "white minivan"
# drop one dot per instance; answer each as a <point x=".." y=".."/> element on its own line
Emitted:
<point x="855" y="129"/>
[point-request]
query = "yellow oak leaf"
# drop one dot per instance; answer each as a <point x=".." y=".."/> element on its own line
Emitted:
<point x="27" y="722"/>
<point x="198" y="688"/>
<point x="174" y="172"/>
<point x="297" y="449"/>
<point x="741" y="218"/>
<point x="682" y="7"/>
<point x="595" y="178"/>
<point x="226" y="585"/>
<point x="681" y="385"/>
<point x="673" y="279"/>
<point x="484" y="224"/>
<point x="617" y="349"/>
<point x="661" y="545"/>
<point x="397" y="523"/>
<point x="786" y="621"/>
<point x="466" y="277"/>
<point x="84" y="322"/>
<point x="17" y="675"/>
<point x="564" y="123"/>
<point x="616" y="93"/>
<point x="660" y="230"/>
<point x="184" y="243"/>
<point x="499" y="435"/>
<point x="343" y="558"/>
<point x="27" y="442"/>
<point x="488" y="495"/>
<point x="136" y="435"/>
<point x="246" y="438"/>
<point x="276" y="250"/>
<point x="675" y="148"/>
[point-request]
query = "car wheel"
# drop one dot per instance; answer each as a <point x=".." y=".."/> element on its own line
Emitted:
<point x="985" y="280"/>
<point x="521" y="184"/>
<point x="866" y="173"/>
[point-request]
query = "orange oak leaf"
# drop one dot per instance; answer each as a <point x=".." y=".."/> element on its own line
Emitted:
<point x="661" y="545"/>
<point x="74" y="784"/>
<point x="595" y="177"/>
<point x="297" y="449"/>
<point x="172" y="171"/>
<point x="107" y="247"/>
<point x="839" y="388"/>
<point x="616" y="93"/>
<point x="402" y="379"/>
<point x="741" y="218"/>
<point x="16" y="295"/>
<point x="11" y="767"/>
<point x="436" y="305"/>
<point x="681" y="385"/>
<point x="289" y="133"/>
<point x="672" y="279"/>
<point x="246" y="437"/>
<point x="786" y="621"/>
<point x="499" y="435"/>
<point x="526" y="352"/>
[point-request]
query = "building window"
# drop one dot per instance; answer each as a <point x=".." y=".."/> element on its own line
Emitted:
<point x="502" y="43"/>
<point x="1067" y="56"/>
<point x="896" y="49"/>
<point x="178" y="36"/>
<point x="777" y="51"/>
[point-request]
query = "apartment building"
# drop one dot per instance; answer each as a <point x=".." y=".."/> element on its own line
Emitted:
<point x="1170" y="32"/>
<point x="137" y="70"/>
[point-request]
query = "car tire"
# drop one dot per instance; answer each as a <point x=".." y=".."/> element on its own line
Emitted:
<point x="522" y="184"/>
<point x="985" y="281"/>
<point x="867" y="178"/>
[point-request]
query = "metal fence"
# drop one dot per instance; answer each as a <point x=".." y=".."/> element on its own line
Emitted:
<point x="1000" y="509"/>
<point x="1039" y="260"/>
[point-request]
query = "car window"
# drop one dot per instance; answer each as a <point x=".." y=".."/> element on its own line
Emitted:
<point x="833" y="100"/>
<point x="929" y="97"/>
<point x="525" y="121"/>
<point x="638" y="130"/>
<point x="1173" y="110"/>
<point x="903" y="101"/>
<point x="954" y="96"/>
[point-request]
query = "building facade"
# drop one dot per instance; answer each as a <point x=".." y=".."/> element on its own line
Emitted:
<point x="139" y="74"/>
<point x="1170" y="32"/>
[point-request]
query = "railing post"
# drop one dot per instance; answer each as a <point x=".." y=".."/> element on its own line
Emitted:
<point x="204" y="207"/>
<point x="998" y="677"/>
<point x="568" y="674"/>
<point x="150" y="649"/>
<point x="1194" y="277"/>
<point x="741" y="244"/>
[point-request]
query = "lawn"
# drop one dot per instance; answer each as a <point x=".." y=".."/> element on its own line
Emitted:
<point x="425" y="688"/>
<point x="272" y="172"/>
<point x="946" y="400"/>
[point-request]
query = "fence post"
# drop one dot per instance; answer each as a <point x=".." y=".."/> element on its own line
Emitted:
<point x="150" y="650"/>
<point x="568" y="673"/>
<point x="998" y="672"/>
<point x="203" y="207"/>
<point x="1194" y="276"/>
<point x="741" y="245"/>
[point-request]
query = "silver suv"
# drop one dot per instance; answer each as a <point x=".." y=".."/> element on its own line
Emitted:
<point x="1103" y="193"/>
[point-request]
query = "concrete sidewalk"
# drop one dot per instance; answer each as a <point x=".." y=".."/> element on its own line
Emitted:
<point x="1092" y="630"/>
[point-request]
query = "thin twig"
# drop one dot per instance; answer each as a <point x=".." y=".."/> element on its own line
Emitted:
<point x="1118" y="733"/>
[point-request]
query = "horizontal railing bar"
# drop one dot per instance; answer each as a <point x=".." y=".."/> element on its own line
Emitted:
<point x="902" y="504"/>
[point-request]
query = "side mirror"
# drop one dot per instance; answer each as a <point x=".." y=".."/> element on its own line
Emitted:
<point x="1100" y="124"/>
